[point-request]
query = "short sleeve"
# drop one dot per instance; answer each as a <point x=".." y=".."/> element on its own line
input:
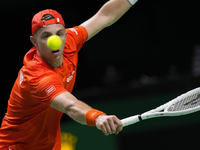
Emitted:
<point x="76" y="37"/>
<point x="46" y="89"/>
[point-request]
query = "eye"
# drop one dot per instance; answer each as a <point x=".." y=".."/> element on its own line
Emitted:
<point x="46" y="36"/>
<point x="60" y="34"/>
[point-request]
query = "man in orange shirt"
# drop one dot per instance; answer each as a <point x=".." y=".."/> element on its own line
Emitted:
<point x="42" y="90"/>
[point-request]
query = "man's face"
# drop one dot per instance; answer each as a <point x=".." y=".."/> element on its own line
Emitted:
<point x="54" y="58"/>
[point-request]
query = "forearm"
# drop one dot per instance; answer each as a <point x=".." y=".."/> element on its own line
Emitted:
<point x="114" y="10"/>
<point x="109" y="13"/>
<point x="84" y="114"/>
<point x="77" y="111"/>
<point x="71" y="106"/>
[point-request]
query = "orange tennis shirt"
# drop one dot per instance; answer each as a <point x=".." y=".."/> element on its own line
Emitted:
<point x="30" y="123"/>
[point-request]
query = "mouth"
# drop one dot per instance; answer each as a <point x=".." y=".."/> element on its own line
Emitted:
<point x="56" y="51"/>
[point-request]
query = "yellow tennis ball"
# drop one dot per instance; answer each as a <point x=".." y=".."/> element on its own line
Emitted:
<point x="54" y="42"/>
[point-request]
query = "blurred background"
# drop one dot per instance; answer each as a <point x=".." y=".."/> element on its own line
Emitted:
<point x="151" y="55"/>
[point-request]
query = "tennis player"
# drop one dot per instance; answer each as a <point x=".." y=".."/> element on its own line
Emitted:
<point x="42" y="90"/>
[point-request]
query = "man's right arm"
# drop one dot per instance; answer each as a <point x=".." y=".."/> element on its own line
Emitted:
<point x="70" y="105"/>
<point x="77" y="110"/>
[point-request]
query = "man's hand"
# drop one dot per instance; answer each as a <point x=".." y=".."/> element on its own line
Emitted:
<point x="107" y="124"/>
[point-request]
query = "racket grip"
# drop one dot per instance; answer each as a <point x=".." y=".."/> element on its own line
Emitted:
<point x="130" y="120"/>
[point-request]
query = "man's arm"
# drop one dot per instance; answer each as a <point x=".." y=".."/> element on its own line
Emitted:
<point x="70" y="105"/>
<point x="77" y="110"/>
<point x="109" y="13"/>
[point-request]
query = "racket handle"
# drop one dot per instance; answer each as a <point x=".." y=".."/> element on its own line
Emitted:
<point x="130" y="120"/>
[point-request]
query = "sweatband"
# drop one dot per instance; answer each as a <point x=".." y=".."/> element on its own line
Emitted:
<point x="91" y="115"/>
<point x="132" y="1"/>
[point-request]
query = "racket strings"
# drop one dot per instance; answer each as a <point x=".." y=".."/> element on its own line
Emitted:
<point x="186" y="103"/>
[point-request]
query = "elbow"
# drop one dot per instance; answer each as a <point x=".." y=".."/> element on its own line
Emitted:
<point x="111" y="21"/>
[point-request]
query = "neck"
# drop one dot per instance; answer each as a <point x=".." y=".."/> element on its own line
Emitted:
<point x="54" y="64"/>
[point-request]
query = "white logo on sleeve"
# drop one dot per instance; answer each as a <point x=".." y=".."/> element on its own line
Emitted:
<point x="21" y="77"/>
<point x="70" y="77"/>
<point x="73" y="30"/>
<point x="50" y="90"/>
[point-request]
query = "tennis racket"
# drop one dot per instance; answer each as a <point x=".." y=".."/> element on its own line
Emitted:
<point x="182" y="105"/>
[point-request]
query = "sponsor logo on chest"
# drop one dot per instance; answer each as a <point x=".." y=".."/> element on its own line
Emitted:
<point x="70" y="77"/>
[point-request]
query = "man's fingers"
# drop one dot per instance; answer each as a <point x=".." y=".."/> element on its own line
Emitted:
<point x="112" y="126"/>
<point x="109" y="124"/>
<point x="104" y="129"/>
<point x="118" y="125"/>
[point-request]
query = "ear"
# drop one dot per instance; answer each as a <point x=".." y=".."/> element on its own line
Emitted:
<point x="33" y="41"/>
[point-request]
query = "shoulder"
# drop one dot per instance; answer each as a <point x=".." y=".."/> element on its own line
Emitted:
<point x="76" y="37"/>
<point x="77" y="33"/>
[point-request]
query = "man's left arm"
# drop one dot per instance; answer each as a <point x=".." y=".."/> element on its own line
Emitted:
<point x="109" y="13"/>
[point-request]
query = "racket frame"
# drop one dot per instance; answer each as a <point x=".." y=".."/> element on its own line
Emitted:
<point x="161" y="111"/>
